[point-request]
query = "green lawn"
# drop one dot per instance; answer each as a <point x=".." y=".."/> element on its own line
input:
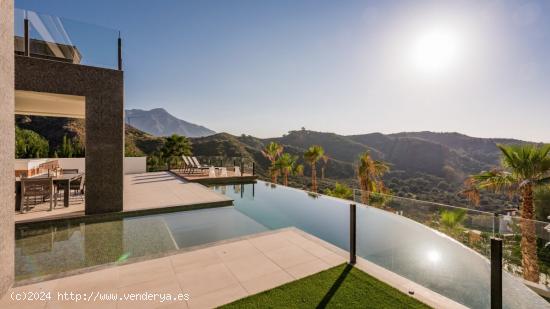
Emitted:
<point x="339" y="287"/>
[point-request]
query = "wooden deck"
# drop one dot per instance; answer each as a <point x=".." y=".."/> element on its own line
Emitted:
<point x="205" y="179"/>
<point x="143" y="194"/>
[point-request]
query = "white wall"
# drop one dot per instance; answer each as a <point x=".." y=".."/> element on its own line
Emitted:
<point x="135" y="165"/>
<point x="132" y="165"/>
<point x="72" y="163"/>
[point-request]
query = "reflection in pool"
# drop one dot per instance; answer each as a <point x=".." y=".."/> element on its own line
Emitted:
<point x="394" y="242"/>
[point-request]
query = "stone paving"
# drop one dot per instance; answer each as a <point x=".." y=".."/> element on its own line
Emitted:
<point x="210" y="276"/>
<point x="142" y="192"/>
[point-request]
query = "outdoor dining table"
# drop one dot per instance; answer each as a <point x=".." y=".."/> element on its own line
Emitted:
<point x="62" y="180"/>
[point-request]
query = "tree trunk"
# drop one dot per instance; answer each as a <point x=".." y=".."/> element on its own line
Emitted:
<point x="286" y="178"/>
<point x="529" y="258"/>
<point x="313" y="177"/>
<point x="363" y="185"/>
<point x="273" y="173"/>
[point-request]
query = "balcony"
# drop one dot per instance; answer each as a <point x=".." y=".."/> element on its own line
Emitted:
<point x="60" y="39"/>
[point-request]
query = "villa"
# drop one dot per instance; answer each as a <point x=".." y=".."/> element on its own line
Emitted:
<point x="210" y="238"/>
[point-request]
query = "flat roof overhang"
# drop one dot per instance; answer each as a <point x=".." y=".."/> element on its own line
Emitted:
<point x="49" y="104"/>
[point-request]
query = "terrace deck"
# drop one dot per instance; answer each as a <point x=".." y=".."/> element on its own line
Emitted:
<point x="143" y="193"/>
<point x="205" y="179"/>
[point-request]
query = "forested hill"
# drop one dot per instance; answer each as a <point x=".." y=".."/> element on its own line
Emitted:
<point x="424" y="165"/>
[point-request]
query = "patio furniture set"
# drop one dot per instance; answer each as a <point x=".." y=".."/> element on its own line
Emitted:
<point x="30" y="191"/>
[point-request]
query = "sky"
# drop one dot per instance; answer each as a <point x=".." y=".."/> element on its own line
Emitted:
<point x="350" y="67"/>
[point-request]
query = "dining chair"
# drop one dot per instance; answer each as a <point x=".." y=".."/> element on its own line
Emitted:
<point x="36" y="188"/>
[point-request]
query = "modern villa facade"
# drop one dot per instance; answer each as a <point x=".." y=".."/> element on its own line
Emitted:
<point x="54" y="85"/>
<point x="102" y="92"/>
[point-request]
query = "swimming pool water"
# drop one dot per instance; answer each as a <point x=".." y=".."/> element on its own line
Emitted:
<point x="391" y="241"/>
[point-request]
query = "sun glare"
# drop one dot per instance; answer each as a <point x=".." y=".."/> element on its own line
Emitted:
<point x="433" y="256"/>
<point x="436" y="51"/>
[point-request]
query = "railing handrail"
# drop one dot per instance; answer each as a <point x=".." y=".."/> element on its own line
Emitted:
<point x="423" y="201"/>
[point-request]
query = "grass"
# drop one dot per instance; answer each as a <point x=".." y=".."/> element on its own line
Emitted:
<point x="339" y="287"/>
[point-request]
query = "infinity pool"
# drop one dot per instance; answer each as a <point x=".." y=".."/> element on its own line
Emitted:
<point x="394" y="242"/>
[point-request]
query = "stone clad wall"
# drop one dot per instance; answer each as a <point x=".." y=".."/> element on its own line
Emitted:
<point x="7" y="144"/>
<point x="103" y="90"/>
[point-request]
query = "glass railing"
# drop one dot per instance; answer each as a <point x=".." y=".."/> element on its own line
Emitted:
<point x="470" y="227"/>
<point x="526" y="249"/>
<point x="451" y="268"/>
<point x="411" y="249"/>
<point x="19" y="30"/>
<point x="66" y="40"/>
<point x="246" y="165"/>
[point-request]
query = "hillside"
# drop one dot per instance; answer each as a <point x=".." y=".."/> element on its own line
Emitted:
<point x="480" y="149"/>
<point x="424" y="165"/>
<point x="138" y="143"/>
<point x="53" y="129"/>
<point x="159" y="122"/>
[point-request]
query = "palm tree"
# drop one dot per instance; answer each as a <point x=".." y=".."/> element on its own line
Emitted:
<point x="325" y="161"/>
<point x="174" y="147"/>
<point x="288" y="165"/>
<point x="272" y="151"/>
<point x="451" y="221"/>
<point x="369" y="174"/>
<point x="524" y="169"/>
<point x="340" y="191"/>
<point x="312" y="155"/>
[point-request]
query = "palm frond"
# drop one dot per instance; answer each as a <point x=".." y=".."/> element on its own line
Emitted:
<point x="543" y="181"/>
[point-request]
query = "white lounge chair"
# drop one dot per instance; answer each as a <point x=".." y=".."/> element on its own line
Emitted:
<point x="197" y="163"/>
<point x="223" y="172"/>
<point x="185" y="166"/>
<point x="196" y="166"/>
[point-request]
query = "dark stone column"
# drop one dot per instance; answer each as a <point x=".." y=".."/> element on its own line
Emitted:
<point x="103" y="90"/>
<point x="105" y="149"/>
<point x="7" y="144"/>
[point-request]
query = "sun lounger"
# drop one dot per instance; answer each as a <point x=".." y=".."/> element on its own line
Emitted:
<point x="195" y="165"/>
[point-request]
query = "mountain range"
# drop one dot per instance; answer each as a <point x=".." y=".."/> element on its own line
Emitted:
<point x="425" y="165"/>
<point x="159" y="122"/>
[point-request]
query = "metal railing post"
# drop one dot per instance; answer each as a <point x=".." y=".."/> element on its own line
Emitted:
<point x="496" y="224"/>
<point x="119" y="52"/>
<point x="242" y="167"/>
<point x="496" y="273"/>
<point x="352" y="234"/>
<point x="27" y="39"/>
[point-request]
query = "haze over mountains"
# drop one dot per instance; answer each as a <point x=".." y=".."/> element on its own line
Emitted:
<point x="159" y="122"/>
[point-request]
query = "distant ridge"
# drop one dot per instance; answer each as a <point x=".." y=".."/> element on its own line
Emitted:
<point x="159" y="122"/>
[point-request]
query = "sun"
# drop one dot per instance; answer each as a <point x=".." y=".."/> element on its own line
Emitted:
<point x="436" y="51"/>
